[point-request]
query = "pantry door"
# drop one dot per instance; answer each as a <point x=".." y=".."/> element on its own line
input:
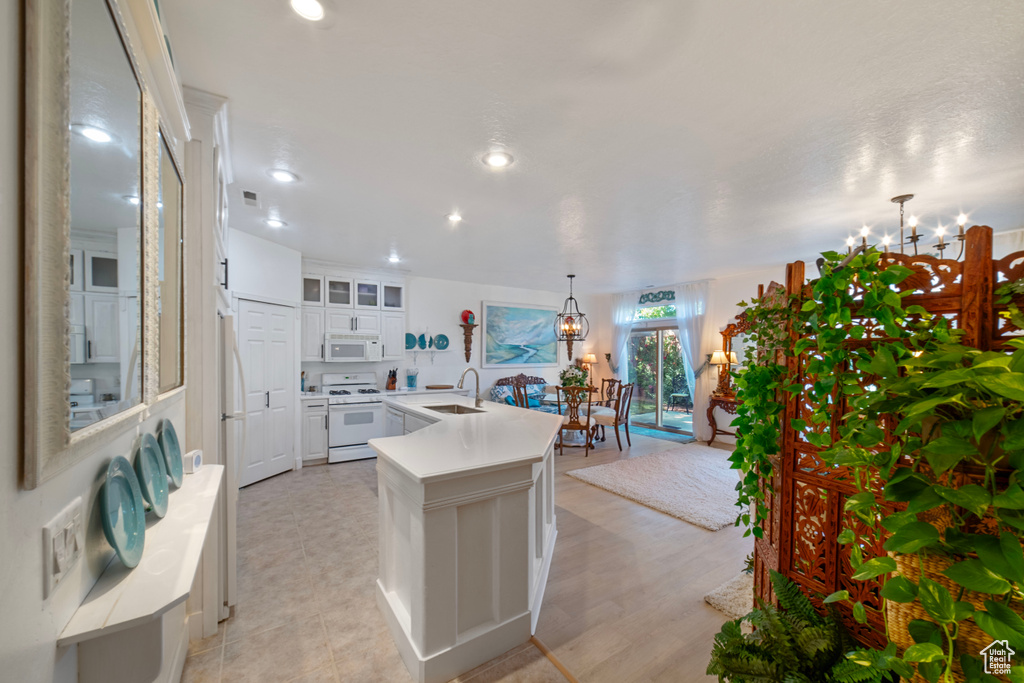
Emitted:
<point x="267" y="345"/>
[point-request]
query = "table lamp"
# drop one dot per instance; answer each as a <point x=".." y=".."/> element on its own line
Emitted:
<point x="590" y="360"/>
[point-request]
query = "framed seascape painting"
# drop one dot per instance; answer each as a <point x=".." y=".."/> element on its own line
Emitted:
<point x="519" y="335"/>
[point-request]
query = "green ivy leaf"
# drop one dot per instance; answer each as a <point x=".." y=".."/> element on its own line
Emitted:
<point x="1009" y="385"/>
<point x="1012" y="498"/>
<point x="923" y="652"/>
<point x="930" y="670"/>
<point x="845" y="536"/>
<point x="924" y="631"/>
<point x="962" y="609"/>
<point x="905" y="485"/>
<point x="899" y="589"/>
<point x="971" y="497"/>
<point x="859" y="615"/>
<point x="860" y="501"/>
<point x="838" y="596"/>
<point x="912" y="537"/>
<point x="1002" y="623"/>
<point x="896" y="520"/>
<point x="985" y="419"/>
<point x="1003" y="554"/>
<point x="973" y="575"/>
<point x="875" y="567"/>
<point x="936" y="600"/>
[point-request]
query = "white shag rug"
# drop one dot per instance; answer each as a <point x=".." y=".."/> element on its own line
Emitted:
<point x="691" y="482"/>
<point x="735" y="597"/>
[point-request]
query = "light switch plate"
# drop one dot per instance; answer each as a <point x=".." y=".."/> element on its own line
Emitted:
<point x="63" y="544"/>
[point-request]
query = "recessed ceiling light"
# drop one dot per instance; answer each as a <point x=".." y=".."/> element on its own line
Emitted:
<point x="498" y="159"/>
<point x="275" y="223"/>
<point x="454" y="217"/>
<point x="131" y="199"/>
<point x="159" y="205"/>
<point x="282" y="176"/>
<point x="394" y="259"/>
<point x="93" y="133"/>
<point x="308" y="9"/>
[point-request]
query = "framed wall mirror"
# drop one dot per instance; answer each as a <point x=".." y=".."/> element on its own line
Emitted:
<point x="103" y="237"/>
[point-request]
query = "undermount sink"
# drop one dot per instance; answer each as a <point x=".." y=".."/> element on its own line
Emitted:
<point x="453" y="409"/>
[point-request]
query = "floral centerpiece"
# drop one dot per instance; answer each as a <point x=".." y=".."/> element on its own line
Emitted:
<point x="573" y="376"/>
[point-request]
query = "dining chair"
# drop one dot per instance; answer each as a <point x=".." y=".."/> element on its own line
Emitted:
<point x="519" y="393"/>
<point x="616" y="415"/>
<point x="609" y="391"/>
<point x="572" y="419"/>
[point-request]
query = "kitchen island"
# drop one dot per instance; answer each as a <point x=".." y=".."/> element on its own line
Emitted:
<point x="467" y="528"/>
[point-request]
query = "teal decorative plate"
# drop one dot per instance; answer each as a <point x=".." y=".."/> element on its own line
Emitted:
<point x="441" y="342"/>
<point x="149" y="465"/>
<point x="410" y="341"/>
<point x="430" y="342"/>
<point x="422" y="341"/>
<point x="171" y="449"/>
<point x="124" y="520"/>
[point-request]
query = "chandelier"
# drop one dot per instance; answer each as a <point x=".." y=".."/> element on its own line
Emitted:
<point x="905" y="240"/>
<point x="571" y="325"/>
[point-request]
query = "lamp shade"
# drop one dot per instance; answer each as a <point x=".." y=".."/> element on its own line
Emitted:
<point x="732" y="358"/>
<point x="589" y="358"/>
<point x="719" y="358"/>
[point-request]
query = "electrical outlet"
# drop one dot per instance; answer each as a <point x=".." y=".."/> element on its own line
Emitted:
<point x="63" y="543"/>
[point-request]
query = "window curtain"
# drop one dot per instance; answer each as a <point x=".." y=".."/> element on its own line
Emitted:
<point x="623" y="316"/>
<point x="691" y="311"/>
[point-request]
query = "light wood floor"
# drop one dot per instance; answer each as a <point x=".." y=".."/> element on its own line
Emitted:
<point x="624" y="599"/>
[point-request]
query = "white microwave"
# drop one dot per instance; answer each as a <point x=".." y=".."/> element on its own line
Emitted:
<point x="353" y="348"/>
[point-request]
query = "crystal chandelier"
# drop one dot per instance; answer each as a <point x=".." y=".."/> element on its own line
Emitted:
<point x="571" y="325"/>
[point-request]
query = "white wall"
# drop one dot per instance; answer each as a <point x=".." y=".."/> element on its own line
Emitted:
<point x="260" y="269"/>
<point x="29" y="625"/>
<point x="435" y="305"/>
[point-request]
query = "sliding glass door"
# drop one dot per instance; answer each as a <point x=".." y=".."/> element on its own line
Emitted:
<point x="661" y="396"/>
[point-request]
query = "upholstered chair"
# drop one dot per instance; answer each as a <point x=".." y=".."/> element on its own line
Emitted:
<point x="616" y="415"/>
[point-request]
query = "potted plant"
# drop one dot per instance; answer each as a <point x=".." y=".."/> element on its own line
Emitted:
<point x="794" y="644"/>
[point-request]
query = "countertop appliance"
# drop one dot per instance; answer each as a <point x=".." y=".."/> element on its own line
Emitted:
<point x="353" y="348"/>
<point x="355" y="414"/>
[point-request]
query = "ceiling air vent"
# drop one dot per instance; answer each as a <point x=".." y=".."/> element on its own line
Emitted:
<point x="250" y="198"/>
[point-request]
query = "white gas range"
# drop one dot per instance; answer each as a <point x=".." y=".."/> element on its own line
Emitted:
<point x="355" y="413"/>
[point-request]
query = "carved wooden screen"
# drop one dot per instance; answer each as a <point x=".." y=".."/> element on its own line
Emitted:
<point x="806" y="510"/>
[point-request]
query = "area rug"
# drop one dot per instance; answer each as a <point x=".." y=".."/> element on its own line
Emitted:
<point x="691" y="482"/>
<point x="735" y="597"/>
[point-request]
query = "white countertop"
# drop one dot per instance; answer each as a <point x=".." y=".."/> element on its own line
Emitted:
<point x="455" y="444"/>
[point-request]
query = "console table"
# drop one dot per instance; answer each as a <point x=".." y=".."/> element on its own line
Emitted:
<point x="726" y="403"/>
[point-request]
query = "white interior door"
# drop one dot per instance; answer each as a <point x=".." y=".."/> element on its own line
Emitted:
<point x="280" y="374"/>
<point x="266" y="336"/>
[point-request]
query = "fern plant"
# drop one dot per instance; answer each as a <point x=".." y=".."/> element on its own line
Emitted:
<point x="793" y="644"/>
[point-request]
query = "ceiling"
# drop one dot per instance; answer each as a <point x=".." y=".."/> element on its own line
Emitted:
<point x="655" y="141"/>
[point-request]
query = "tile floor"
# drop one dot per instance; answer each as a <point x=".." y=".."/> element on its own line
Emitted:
<point x="624" y="600"/>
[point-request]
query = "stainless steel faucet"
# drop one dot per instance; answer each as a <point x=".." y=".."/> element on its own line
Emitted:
<point x="462" y="380"/>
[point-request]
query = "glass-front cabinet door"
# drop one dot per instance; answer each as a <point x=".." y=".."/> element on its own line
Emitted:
<point x="367" y="294"/>
<point x="312" y="290"/>
<point x="392" y="297"/>
<point x="339" y="292"/>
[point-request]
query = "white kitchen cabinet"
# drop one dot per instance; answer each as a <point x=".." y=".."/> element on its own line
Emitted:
<point x="339" y="291"/>
<point x="413" y="423"/>
<point x="314" y="430"/>
<point x="394" y="422"/>
<point x="102" y="324"/>
<point x="312" y="333"/>
<point x="367" y="323"/>
<point x="312" y="290"/>
<point x="392" y="296"/>
<point x="351" y="322"/>
<point x="367" y="294"/>
<point x="100" y="272"/>
<point x="393" y="331"/>
<point x="339" y="322"/>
